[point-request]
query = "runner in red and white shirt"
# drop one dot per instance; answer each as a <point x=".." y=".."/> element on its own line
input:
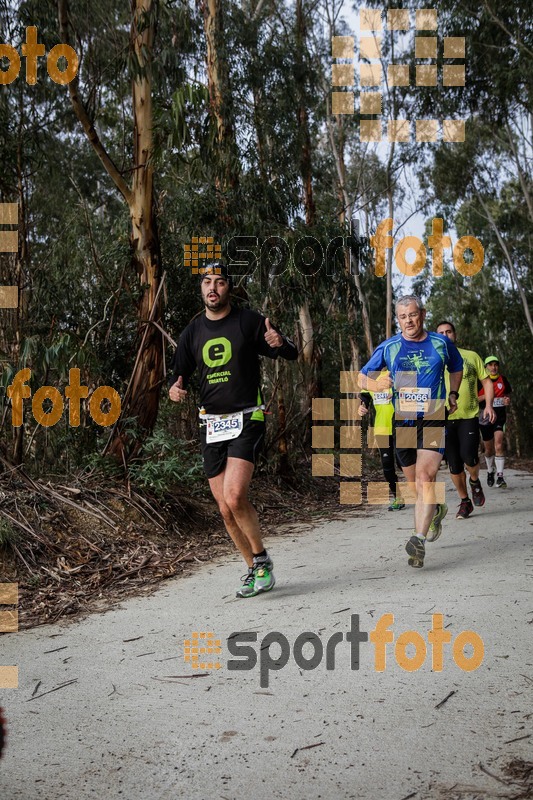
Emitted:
<point x="492" y="433"/>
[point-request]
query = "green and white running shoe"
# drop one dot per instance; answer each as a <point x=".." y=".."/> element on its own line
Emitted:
<point x="264" y="576"/>
<point x="247" y="589"/>
<point x="435" y="528"/>
<point x="397" y="504"/>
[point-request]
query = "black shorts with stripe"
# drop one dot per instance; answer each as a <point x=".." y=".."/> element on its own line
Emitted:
<point x="419" y="434"/>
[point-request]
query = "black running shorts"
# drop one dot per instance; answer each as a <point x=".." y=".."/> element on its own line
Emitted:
<point x="428" y="434"/>
<point x="462" y="444"/>
<point x="487" y="431"/>
<point x="246" y="446"/>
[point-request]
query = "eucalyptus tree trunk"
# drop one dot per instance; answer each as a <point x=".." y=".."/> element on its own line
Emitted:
<point x="311" y="357"/>
<point x="141" y="400"/>
<point x="221" y="104"/>
<point x="346" y="213"/>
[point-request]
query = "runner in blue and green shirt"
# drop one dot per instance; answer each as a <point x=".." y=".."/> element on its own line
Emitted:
<point x="416" y="360"/>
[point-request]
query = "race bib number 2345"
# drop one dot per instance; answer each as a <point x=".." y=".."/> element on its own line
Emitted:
<point x="221" y="427"/>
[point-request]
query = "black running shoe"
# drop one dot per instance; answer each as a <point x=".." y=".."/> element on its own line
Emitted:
<point x="477" y="493"/>
<point x="465" y="509"/>
<point x="500" y="482"/>
<point x="416" y="551"/>
<point x="490" y="478"/>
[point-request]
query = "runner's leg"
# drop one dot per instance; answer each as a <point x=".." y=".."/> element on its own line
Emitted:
<point x="239" y="538"/>
<point x="459" y="481"/>
<point x="387" y="465"/>
<point x="237" y="477"/>
<point x="498" y="444"/>
<point x="469" y="440"/>
<point x="487" y="434"/>
<point x="455" y="452"/>
<point x="500" y="458"/>
<point x="426" y="514"/>
<point x="489" y="448"/>
<point x="427" y="466"/>
<point x="473" y="472"/>
<point x="410" y="473"/>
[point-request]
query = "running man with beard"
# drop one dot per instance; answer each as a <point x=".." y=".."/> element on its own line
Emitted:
<point x="417" y="361"/>
<point x="462" y="427"/>
<point x="224" y="344"/>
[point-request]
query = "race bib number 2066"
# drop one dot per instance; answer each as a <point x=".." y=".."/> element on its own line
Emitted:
<point x="416" y="399"/>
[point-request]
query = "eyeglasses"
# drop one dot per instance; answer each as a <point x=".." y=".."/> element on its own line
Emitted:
<point x="413" y="315"/>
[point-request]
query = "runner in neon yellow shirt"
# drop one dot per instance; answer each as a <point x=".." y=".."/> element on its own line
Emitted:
<point x="462" y="427"/>
<point x="383" y="428"/>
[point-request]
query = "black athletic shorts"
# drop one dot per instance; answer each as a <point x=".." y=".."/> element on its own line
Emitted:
<point x="487" y="431"/>
<point x="462" y="444"/>
<point x="246" y="446"/>
<point x="419" y="431"/>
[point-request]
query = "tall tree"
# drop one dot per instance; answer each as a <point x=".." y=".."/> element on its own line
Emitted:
<point x="142" y="397"/>
<point x="220" y="103"/>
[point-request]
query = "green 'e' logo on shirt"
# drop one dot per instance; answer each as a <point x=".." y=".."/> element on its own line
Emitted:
<point x="217" y="352"/>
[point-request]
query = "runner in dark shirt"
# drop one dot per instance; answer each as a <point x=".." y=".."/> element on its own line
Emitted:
<point x="225" y="344"/>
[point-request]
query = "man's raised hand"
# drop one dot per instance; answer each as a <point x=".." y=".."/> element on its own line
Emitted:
<point x="177" y="392"/>
<point x="272" y="337"/>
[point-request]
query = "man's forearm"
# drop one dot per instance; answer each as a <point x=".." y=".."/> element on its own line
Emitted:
<point x="362" y="380"/>
<point x="488" y="389"/>
<point x="455" y="381"/>
<point x="288" y="350"/>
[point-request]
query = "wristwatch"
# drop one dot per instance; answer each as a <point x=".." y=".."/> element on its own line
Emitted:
<point x="455" y="393"/>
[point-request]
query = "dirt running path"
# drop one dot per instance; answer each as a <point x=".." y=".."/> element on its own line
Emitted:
<point x="128" y="728"/>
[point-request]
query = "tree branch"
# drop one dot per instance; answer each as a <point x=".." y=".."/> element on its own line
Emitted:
<point x="83" y="117"/>
<point x="515" y="40"/>
<point x="509" y="260"/>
